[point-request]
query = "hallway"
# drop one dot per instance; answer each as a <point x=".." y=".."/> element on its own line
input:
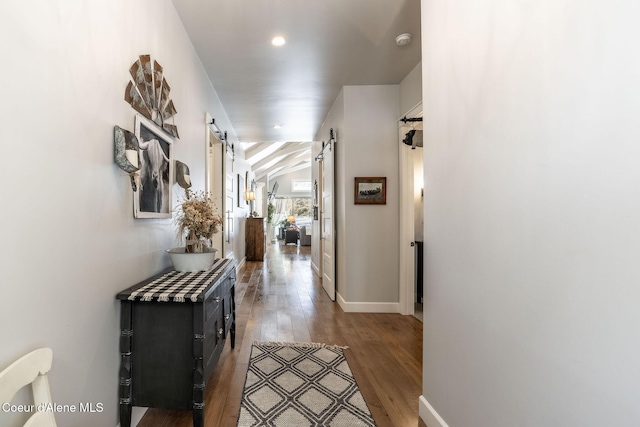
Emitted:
<point x="283" y="300"/>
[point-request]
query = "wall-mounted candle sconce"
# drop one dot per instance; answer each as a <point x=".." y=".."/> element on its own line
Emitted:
<point x="182" y="175"/>
<point x="249" y="189"/>
<point x="127" y="153"/>
<point x="250" y="195"/>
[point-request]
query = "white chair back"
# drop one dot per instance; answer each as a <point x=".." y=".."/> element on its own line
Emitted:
<point x="31" y="369"/>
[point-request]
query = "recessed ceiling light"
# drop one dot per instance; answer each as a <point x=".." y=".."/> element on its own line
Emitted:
<point x="278" y="41"/>
<point x="277" y="126"/>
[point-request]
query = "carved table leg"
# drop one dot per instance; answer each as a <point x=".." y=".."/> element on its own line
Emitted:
<point x="124" y="390"/>
<point x="233" y="317"/>
<point x="198" y="394"/>
<point x="198" y="366"/>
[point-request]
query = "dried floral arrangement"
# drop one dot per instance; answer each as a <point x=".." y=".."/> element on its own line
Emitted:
<point x="197" y="221"/>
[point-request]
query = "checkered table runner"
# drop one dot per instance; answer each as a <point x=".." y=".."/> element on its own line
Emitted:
<point x="179" y="286"/>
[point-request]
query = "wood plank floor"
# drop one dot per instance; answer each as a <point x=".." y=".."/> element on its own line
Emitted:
<point x="282" y="300"/>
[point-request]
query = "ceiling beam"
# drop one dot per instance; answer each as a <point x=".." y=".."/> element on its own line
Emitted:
<point x="287" y="170"/>
<point x="295" y="147"/>
<point x="273" y="166"/>
<point x="290" y="160"/>
<point x="265" y="173"/>
<point x="255" y="149"/>
<point x="300" y="156"/>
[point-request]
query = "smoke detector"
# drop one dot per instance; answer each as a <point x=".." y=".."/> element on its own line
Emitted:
<point x="403" y="39"/>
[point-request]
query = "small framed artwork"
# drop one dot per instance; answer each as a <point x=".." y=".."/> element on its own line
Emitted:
<point x="370" y="191"/>
<point x="154" y="195"/>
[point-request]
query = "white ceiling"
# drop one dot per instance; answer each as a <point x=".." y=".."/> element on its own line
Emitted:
<point x="330" y="43"/>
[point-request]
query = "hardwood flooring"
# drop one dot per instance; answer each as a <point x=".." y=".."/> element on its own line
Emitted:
<point x="282" y="299"/>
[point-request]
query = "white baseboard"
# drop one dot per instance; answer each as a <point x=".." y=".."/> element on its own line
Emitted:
<point x="316" y="269"/>
<point x="429" y="415"/>
<point x="241" y="264"/>
<point x="368" y="307"/>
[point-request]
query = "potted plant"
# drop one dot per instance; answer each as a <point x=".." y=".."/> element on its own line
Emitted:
<point x="271" y="210"/>
<point x="196" y="222"/>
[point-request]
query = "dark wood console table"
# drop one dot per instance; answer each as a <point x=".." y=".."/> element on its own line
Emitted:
<point x="173" y="330"/>
<point x="254" y="239"/>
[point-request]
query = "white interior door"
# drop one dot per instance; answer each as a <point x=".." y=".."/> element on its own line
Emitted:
<point x="410" y="195"/>
<point x="228" y="214"/>
<point x="215" y="181"/>
<point x="407" y="249"/>
<point x="316" y="239"/>
<point x="327" y="223"/>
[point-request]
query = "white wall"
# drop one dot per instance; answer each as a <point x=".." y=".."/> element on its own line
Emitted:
<point x="532" y="192"/>
<point x="370" y="148"/>
<point x="411" y="89"/>
<point x="284" y="183"/>
<point x="364" y="119"/>
<point x="70" y="241"/>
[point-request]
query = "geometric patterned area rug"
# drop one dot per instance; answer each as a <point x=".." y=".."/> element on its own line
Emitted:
<point x="301" y="384"/>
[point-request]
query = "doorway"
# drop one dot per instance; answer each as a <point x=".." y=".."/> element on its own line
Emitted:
<point x="411" y="218"/>
<point x="327" y="221"/>
<point x="215" y="182"/>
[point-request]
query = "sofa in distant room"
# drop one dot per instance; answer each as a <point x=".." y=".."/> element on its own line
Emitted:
<point x="305" y="236"/>
<point x="291" y="236"/>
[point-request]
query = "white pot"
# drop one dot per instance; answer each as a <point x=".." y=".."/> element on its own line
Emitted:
<point x="192" y="262"/>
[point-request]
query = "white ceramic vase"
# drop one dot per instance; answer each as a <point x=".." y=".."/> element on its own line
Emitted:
<point x="192" y="262"/>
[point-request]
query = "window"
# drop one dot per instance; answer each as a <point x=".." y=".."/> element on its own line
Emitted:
<point x="301" y="185"/>
<point x="302" y="207"/>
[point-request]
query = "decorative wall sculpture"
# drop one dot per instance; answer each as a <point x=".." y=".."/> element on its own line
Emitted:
<point x="127" y="154"/>
<point x="148" y="93"/>
<point x="183" y="176"/>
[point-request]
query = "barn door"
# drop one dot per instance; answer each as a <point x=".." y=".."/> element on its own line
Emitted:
<point x="411" y="216"/>
<point x="215" y="184"/>
<point x="328" y="223"/>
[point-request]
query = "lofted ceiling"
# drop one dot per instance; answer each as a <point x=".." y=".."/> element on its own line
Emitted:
<point x="329" y="44"/>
